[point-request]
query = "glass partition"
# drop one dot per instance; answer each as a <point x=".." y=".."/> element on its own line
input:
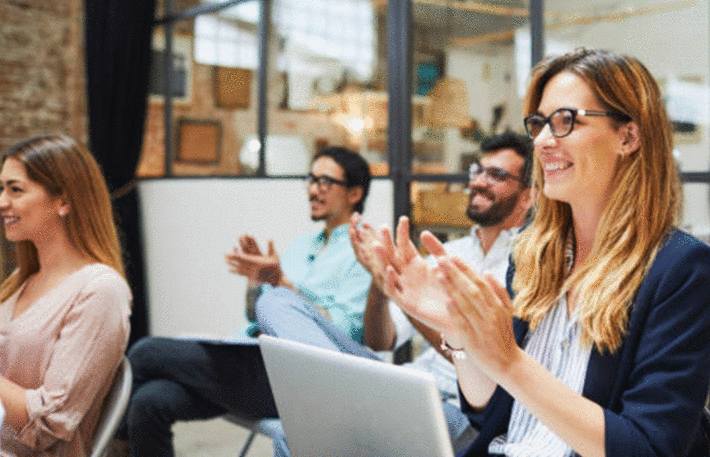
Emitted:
<point x="466" y="64"/>
<point x="326" y="82"/>
<point x="214" y="87"/>
<point x="472" y="64"/>
<point x="325" y="85"/>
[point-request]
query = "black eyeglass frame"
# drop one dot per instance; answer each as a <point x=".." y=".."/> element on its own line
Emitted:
<point x="499" y="175"/>
<point x="573" y="114"/>
<point x="324" y="181"/>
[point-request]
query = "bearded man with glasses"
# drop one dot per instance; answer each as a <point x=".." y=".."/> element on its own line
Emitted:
<point x="499" y="201"/>
<point x="499" y="185"/>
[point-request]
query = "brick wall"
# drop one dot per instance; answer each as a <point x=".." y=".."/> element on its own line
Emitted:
<point x="42" y="77"/>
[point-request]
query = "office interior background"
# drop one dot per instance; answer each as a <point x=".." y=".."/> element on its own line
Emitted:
<point x="413" y="85"/>
<point x="242" y="93"/>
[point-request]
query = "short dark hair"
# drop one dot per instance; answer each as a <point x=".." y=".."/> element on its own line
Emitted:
<point x="521" y="144"/>
<point x="357" y="171"/>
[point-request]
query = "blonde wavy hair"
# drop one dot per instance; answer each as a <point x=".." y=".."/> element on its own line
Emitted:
<point x="643" y="206"/>
<point x="65" y="168"/>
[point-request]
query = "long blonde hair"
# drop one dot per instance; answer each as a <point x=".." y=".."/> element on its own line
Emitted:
<point x="643" y="206"/>
<point x="65" y="168"/>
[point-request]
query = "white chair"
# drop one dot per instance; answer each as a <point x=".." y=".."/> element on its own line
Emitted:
<point x="113" y="409"/>
<point x="266" y="427"/>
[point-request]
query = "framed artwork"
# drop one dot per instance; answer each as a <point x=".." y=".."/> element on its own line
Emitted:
<point x="199" y="141"/>
<point x="232" y="87"/>
<point x="181" y="58"/>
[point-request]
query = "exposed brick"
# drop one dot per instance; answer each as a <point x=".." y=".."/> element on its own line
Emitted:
<point x="42" y="76"/>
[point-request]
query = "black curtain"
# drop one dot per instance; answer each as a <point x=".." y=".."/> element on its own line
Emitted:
<point x="118" y="36"/>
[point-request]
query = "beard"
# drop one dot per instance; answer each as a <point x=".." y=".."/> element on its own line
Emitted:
<point x="316" y="217"/>
<point x="496" y="213"/>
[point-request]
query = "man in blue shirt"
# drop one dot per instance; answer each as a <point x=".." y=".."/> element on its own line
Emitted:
<point x="317" y="284"/>
<point x="318" y="289"/>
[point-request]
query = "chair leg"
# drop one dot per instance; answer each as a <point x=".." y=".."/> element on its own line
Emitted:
<point x="247" y="444"/>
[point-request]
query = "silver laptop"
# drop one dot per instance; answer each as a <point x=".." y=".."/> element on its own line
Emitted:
<point x="332" y="404"/>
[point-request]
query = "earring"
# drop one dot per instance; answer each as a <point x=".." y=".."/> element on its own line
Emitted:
<point x="62" y="212"/>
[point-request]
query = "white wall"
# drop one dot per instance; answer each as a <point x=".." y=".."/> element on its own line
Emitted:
<point x="188" y="226"/>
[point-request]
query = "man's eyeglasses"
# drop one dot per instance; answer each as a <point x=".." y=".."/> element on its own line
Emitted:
<point x="324" y="182"/>
<point x="492" y="175"/>
<point x="562" y="120"/>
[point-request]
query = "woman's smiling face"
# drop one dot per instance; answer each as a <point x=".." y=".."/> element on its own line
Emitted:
<point x="28" y="211"/>
<point x="582" y="164"/>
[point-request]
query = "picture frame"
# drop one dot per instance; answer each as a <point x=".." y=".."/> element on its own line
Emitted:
<point x="232" y="87"/>
<point x="181" y="87"/>
<point x="199" y="141"/>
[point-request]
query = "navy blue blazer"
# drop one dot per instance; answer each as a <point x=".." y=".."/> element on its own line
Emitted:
<point x="654" y="386"/>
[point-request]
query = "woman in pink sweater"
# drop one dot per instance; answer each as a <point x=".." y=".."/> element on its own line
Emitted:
<point x="65" y="308"/>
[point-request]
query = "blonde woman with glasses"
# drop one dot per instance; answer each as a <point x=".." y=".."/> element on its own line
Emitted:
<point x="605" y="347"/>
<point x="64" y="311"/>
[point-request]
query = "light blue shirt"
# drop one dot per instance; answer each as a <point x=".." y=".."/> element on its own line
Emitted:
<point x="327" y="274"/>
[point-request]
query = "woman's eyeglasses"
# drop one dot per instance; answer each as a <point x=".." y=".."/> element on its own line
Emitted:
<point x="562" y="121"/>
<point x="492" y="175"/>
<point x="324" y="182"/>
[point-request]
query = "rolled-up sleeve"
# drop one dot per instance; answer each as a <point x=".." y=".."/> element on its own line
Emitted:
<point x="86" y="354"/>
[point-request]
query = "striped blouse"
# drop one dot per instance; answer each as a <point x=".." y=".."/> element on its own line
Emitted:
<point x="557" y="346"/>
